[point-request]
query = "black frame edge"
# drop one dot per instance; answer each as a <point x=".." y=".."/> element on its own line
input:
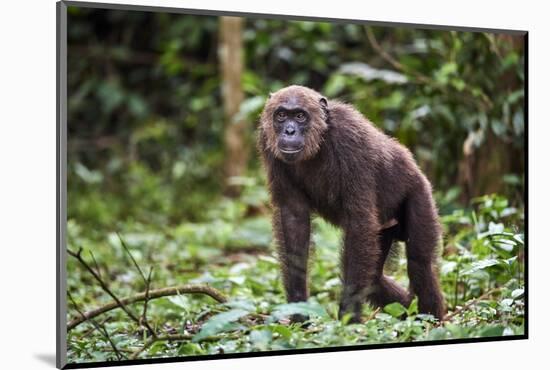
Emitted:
<point x="526" y="184"/>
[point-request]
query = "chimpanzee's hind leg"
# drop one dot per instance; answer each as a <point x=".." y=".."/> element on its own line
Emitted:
<point x="423" y="234"/>
<point x="386" y="290"/>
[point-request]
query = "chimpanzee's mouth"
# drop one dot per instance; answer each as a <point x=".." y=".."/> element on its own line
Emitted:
<point x="291" y="150"/>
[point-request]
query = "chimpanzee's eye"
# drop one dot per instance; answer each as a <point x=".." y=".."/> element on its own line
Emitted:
<point x="281" y="116"/>
<point x="300" y="117"/>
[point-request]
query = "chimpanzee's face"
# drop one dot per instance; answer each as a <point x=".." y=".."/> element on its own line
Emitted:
<point x="290" y="122"/>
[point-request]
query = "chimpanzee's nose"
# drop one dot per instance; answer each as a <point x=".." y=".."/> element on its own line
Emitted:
<point x="289" y="130"/>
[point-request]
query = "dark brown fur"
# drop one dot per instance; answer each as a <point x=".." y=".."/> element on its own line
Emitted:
<point x="356" y="177"/>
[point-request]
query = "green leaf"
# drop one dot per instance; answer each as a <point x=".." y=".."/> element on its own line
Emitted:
<point x="395" y="309"/>
<point x="335" y="85"/>
<point x="438" y="334"/>
<point x="413" y="307"/>
<point x="137" y="105"/>
<point x="238" y="280"/>
<point x="250" y="107"/>
<point x="506" y="302"/>
<point x="242" y="304"/>
<point x="519" y="238"/>
<point x="189" y="349"/>
<point x="458" y="84"/>
<point x="506" y="245"/>
<point x="260" y="338"/>
<point x="508" y="331"/>
<point x="492" y="331"/>
<point x="345" y="319"/>
<point x="384" y="316"/>
<point x="181" y="301"/>
<point x="448" y="267"/>
<point x="517" y="293"/>
<point x="302" y="308"/>
<point x="509" y="261"/>
<point x="447" y="69"/>
<point x="425" y="317"/>
<point x="480" y="265"/>
<point x="219" y="323"/>
<point x="156" y="348"/>
<point x="87" y="175"/>
<point x="457" y="331"/>
<point x="282" y="330"/>
<point x="368" y="73"/>
<point x="494" y="229"/>
<point x="111" y="95"/>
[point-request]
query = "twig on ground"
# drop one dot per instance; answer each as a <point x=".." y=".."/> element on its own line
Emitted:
<point x="147" y="281"/>
<point x="127" y="250"/>
<point x="373" y="314"/>
<point x="153" y="294"/>
<point x="471" y="303"/>
<point x="123" y="303"/>
<point x="93" y="328"/>
<point x="102" y="283"/>
<point x="99" y="328"/>
<point x="145" y="303"/>
<point x="97" y="269"/>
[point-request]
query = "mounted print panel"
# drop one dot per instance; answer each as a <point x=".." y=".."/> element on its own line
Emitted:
<point x="239" y="184"/>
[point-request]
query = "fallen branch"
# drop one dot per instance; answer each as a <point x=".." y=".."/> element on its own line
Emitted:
<point x="153" y="294"/>
<point x="144" y="314"/>
<point x="143" y="319"/>
<point x="471" y="303"/>
<point x="99" y="327"/>
<point x="373" y="314"/>
<point x="97" y="275"/>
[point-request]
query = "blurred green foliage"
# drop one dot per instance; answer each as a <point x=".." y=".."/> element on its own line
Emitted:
<point x="482" y="277"/>
<point x="146" y="121"/>
<point x="145" y="159"/>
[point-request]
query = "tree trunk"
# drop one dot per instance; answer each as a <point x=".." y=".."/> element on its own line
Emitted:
<point x="231" y="64"/>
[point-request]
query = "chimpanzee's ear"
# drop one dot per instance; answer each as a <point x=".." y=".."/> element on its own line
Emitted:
<point x="324" y="107"/>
